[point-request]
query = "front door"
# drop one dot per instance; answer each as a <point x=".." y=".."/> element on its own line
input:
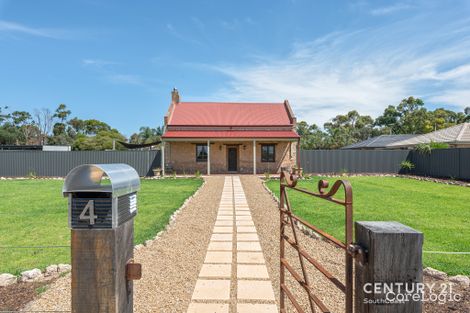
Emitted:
<point x="232" y="159"/>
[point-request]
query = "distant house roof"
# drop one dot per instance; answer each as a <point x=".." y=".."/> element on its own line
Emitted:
<point x="458" y="134"/>
<point x="230" y="114"/>
<point x="378" y="142"/>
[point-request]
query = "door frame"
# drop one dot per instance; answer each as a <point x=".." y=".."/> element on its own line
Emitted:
<point x="237" y="160"/>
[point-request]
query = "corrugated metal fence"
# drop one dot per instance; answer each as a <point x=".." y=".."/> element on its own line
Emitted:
<point x="453" y="163"/>
<point x="49" y="163"/>
<point x="352" y="161"/>
<point x="446" y="163"/>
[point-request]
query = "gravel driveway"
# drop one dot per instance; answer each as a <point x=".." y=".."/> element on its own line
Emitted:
<point x="170" y="264"/>
<point x="265" y="214"/>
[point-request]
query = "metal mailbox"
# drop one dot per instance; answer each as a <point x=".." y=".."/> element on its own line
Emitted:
<point x="101" y="196"/>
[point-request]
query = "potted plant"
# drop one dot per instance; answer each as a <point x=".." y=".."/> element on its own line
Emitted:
<point x="157" y="171"/>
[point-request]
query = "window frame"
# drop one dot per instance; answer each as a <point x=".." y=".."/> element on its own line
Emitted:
<point x="266" y="158"/>
<point x="204" y="146"/>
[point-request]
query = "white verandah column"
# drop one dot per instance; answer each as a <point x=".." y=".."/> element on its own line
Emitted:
<point x="254" y="156"/>
<point x="162" y="156"/>
<point x="208" y="157"/>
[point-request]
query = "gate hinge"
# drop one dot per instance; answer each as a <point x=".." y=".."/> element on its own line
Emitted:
<point x="358" y="253"/>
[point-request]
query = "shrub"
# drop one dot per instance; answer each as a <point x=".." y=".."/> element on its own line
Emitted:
<point x="267" y="176"/>
<point x="439" y="145"/>
<point x="407" y="165"/>
<point x="197" y="174"/>
<point x="423" y="148"/>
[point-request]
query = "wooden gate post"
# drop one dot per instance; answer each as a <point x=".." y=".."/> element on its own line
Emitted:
<point x="390" y="280"/>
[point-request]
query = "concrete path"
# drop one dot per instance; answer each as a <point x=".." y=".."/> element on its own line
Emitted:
<point x="234" y="277"/>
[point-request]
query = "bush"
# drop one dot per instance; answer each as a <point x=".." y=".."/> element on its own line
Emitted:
<point x="426" y="148"/>
<point x="407" y="166"/>
<point x="267" y="176"/>
<point x="197" y="174"/>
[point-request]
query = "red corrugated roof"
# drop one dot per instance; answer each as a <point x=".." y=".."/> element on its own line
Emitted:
<point x="229" y="134"/>
<point x="229" y="114"/>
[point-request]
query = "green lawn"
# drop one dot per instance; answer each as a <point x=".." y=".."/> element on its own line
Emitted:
<point x="441" y="212"/>
<point x="34" y="213"/>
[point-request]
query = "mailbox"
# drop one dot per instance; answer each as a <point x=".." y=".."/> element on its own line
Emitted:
<point x="102" y="206"/>
<point x="101" y="195"/>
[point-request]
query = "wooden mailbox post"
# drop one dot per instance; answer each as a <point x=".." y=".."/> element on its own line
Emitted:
<point x="101" y="218"/>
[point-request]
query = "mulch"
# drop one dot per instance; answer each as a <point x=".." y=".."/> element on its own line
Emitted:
<point x="15" y="297"/>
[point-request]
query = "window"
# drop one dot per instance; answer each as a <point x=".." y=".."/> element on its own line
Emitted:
<point x="201" y="153"/>
<point x="268" y="153"/>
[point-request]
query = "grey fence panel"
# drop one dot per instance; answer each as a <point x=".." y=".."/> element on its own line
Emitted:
<point x="58" y="163"/>
<point x="454" y="163"/>
<point x="464" y="163"/>
<point x="446" y="163"/>
<point x="352" y="161"/>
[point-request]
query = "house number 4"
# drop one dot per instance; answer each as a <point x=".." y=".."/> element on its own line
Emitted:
<point x="90" y="208"/>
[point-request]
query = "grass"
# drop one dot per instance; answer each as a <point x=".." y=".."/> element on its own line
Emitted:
<point x="440" y="211"/>
<point x="34" y="213"/>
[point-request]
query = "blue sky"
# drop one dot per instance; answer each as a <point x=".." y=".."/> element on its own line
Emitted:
<point x="118" y="60"/>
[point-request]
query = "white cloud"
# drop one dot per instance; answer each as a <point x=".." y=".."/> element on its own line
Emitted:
<point x="365" y="70"/>
<point x="12" y="27"/>
<point x="390" y="9"/>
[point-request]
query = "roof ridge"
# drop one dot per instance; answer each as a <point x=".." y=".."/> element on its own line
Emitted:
<point x="462" y="131"/>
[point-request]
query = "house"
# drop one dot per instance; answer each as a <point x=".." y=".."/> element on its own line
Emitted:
<point x="377" y="143"/>
<point x="221" y="137"/>
<point x="457" y="136"/>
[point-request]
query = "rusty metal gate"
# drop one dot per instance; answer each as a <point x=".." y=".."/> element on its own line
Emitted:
<point x="287" y="217"/>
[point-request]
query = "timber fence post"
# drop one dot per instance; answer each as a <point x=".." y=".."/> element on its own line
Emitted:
<point x="389" y="280"/>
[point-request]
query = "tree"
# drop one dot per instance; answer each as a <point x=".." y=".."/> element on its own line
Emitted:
<point x="311" y="136"/>
<point x="43" y="119"/>
<point x="389" y="120"/>
<point x="23" y="121"/>
<point x="347" y="129"/>
<point x="147" y="135"/>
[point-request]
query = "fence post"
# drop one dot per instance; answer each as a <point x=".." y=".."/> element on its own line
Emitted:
<point x="389" y="279"/>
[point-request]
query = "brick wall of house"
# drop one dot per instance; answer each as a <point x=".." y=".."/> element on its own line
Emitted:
<point x="181" y="156"/>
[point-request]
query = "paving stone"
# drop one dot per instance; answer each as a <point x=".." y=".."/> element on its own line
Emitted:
<point x="223" y="230"/>
<point x="243" y="213"/>
<point x="220" y="246"/>
<point x="255" y="290"/>
<point x="212" y="289"/>
<point x="248" y="246"/>
<point x="246" y="229"/>
<point x="247" y="237"/>
<point x="250" y="257"/>
<point x="245" y="223"/>
<point x="256" y="308"/>
<point x="224" y="223"/>
<point x="221" y="237"/>
<point x="252" y="271"/>
<point x="209" y="308"/>
<point x="224" y="218"/>
<point x="243" y="218"/>
<point x="224" y="214"/>
<point x="219" y="271"/>
<point x="218" y="257"/>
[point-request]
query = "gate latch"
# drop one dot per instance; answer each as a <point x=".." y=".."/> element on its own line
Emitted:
<point x="358" y="253"/>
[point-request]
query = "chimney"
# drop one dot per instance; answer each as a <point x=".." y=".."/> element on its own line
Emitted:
<point x="175" y="96"/>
